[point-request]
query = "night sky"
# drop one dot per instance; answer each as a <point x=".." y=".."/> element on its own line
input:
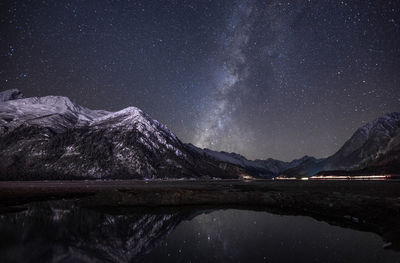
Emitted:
<point x="260" y="78"/>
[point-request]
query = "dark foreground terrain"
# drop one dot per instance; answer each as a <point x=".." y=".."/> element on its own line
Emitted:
<point x="372" y="206"/>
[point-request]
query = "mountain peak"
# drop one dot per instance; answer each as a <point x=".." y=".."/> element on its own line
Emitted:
<point x="11" y="94"/>
<point x="385" y="122"/>
<point x="55" y="112"/>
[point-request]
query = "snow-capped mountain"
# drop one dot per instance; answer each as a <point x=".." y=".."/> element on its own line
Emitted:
<point x="367" y="142"/>
<point x="371" y="144"/>
<point x="56" y="113"/>
<point x="263" y="168"/>
<point x="53" y="138"/>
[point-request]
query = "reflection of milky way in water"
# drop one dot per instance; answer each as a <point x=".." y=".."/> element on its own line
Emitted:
<point x="249" y="236"/>
<point x="55" y="232"/>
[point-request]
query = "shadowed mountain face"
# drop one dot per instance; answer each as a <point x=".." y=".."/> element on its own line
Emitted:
<point x="53" y="138"/>
<point x="390" y="157"/>
<point x="375" y="146"/>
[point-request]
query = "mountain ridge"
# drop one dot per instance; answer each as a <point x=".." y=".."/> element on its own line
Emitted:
<point x="53" y="138"/>
<point x="264" y="168"/>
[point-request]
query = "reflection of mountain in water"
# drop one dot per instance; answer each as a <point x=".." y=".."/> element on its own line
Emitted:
<point x="62" y="231"/>
<point x="72" y="234"/>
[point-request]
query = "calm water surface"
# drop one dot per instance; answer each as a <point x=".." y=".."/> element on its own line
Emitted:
<point x="62" y="232"/>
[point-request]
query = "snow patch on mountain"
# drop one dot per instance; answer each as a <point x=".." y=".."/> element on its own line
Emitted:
<point x="54" y="112"/>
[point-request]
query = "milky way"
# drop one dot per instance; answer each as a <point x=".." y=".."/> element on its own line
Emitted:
<point x="218" y="128"/>
<point x="261" y="78"/>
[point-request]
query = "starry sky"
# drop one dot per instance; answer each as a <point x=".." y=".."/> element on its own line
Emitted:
<point x="276" y="79"/>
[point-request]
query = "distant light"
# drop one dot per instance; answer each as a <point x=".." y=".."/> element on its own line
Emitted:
<point x="246" y="177"/>
<point x="355" y="177"/>
<point x="285" y="178"/>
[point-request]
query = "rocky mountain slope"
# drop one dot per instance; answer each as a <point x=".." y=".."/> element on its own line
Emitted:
<point x="388" y="160"/>
<point x="53" y="138"/>
<point x="376" y="144"/>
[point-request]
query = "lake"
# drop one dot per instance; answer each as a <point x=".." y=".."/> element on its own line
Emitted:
<point x="61" y="231"/>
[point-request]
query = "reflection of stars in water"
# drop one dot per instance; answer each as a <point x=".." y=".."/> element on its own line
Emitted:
<point x="247" y="236"/>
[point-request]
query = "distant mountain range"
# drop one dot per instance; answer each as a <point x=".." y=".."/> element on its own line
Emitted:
<point x="373" y="148"/>
<point x="262" y="168"/>
<point x="53" y="138"/>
